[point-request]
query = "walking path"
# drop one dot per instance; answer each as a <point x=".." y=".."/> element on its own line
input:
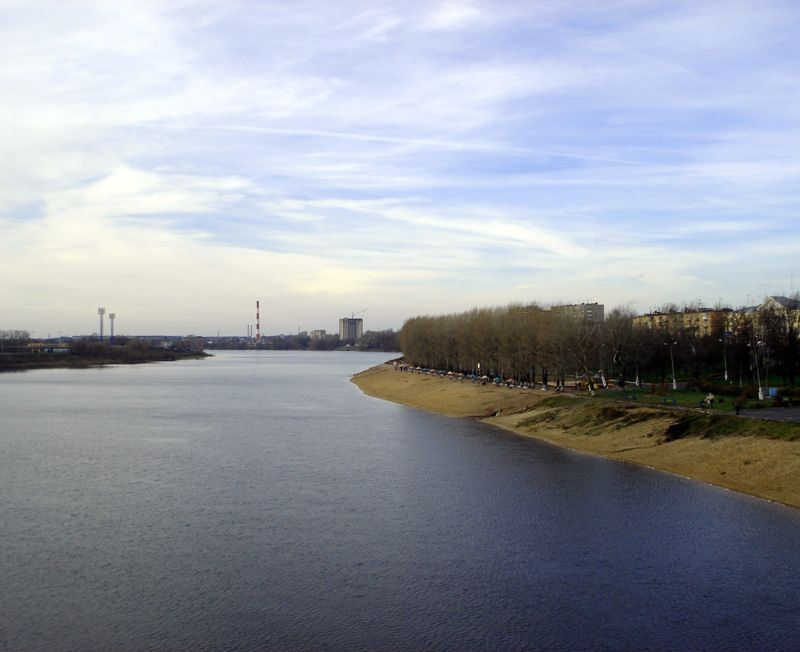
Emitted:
<point x="774" y="414"/>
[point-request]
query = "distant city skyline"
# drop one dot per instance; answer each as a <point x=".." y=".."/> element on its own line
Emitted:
<point x="174" y="161"/>
<point x="354" y="327"/>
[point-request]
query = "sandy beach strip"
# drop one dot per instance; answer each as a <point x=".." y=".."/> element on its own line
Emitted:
<point x="755" y="465"/>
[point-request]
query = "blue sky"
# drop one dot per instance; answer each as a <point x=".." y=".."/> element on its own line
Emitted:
<point x="174" y="161"/>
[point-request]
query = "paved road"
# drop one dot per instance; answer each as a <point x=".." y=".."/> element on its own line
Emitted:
<point x="774" y="414"/>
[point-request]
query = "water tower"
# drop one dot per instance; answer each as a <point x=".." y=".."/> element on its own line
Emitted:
<point x="101" y="312"/>
<point x="111" y="317"/>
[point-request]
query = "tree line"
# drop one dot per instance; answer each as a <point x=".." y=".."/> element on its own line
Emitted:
<point x="383" y="340"/>
<point x="531" y="343"/>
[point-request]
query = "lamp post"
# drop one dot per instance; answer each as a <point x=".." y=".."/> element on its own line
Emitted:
<point x="602" y="368"/>
<point x="672" y="363"/>
<point x="758" y="373"/>
<point x="724" y="340"/>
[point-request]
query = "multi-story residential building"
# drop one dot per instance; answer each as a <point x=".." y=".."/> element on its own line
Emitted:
<point x="351" y="329"/>
<point x="594" y="312"/>
<point x="752" y="317"/>
<point x="700" y="321"/>
<point x="786" y="307"/>
<point x="706" y="321"/>
<point x="318" y="334"/>
<point x="780" y="304"/>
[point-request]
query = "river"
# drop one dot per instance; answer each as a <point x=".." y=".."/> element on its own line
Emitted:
<point x="258" y="500"/>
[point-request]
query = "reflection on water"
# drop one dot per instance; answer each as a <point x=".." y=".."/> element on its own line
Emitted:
<point x="260" y="501"/>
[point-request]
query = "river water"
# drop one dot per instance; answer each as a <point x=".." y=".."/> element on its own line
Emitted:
<point x="260" y="501"/>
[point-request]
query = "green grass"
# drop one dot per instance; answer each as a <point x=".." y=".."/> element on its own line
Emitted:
<point x="711" y="426"/>
<point x="593" y="416"/>
<point x="682" y="398"/>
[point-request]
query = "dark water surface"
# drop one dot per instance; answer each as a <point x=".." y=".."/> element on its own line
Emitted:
<point x="260" y="501"/>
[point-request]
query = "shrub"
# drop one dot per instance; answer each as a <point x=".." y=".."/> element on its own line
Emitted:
<point x="788" y="396"/>
<point x="723" y="389"/>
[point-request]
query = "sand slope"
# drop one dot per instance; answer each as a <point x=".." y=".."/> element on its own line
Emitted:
<point x="756" y="465"/>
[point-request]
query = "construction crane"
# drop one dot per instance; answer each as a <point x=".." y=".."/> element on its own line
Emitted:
<point x="353" y="314"/>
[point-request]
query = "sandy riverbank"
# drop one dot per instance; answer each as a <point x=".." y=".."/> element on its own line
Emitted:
<point x="748" y="461"/>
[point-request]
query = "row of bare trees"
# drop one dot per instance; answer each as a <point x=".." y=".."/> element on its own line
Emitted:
<point x="11" y="340"/>
<point x="532" y="344"/>
<point x="526" y="343"/>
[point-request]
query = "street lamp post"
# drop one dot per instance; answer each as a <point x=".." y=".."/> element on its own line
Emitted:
<point x="602" y="368"/>
<point x="754" y="360"/>
<point x="724" y="340"/>
<point x="758" y="372"/>
<point x="672" y="363"/>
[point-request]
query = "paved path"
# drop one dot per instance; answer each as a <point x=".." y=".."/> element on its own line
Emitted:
<point x="775" y="414"/>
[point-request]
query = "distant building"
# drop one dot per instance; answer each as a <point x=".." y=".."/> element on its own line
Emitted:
<point x="787" y="307"/>
<point x="48" y="347"/>
<point x="318" y="335"/>
<point x="593" y="312"/>
<point x="351" y="329"/>
<point x="779" y="304"/>
<point x="700" y="321"/>
<point x="708" y="321"/>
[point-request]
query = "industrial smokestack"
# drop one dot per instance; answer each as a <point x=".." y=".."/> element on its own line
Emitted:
<point x="258" y="322"/>
<point x="111" y="317"/>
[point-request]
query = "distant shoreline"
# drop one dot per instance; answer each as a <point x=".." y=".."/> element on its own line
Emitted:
<point x="750" y="460"/>
<point x="32" y="361"/>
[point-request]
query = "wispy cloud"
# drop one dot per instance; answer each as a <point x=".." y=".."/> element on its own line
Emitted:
<point x="413" y="157"/>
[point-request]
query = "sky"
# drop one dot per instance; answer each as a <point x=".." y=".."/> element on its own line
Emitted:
<point x="175" y="160"/>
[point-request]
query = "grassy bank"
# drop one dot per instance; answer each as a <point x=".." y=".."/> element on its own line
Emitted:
<point x="757" y="457"/>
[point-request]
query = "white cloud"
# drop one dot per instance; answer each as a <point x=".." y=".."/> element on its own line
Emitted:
<point x="453" y="15"/>
<point x="404" y="156"/>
